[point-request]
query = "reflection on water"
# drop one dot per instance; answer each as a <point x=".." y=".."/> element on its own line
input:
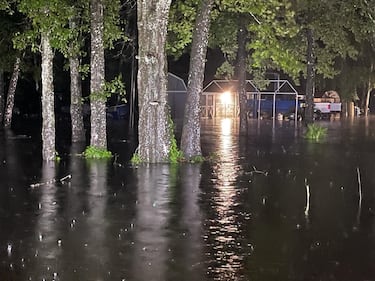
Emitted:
<point x="224" y="229"/>
<point x="240" y="217"/>
<point x="152" y="213"/>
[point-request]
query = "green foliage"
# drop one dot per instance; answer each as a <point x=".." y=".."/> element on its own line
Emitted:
<point x="197" y="159"/>
<point x="180" y="26"/>
<point x="115" y="86"/>
<point x="57" y="157"/>
<point x="225" y="71"/>
<point x="175" y="154"/>
<point x="112" y="30"/>
<point x="84" y="70"/>
<point x="46" y="16"/>
<point x="136" y="159"/>
<point x="315" y="132"/>
<point x="92" y="152"/>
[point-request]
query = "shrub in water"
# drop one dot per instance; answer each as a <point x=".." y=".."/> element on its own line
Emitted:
<point x="93" y="152"/>
<point x="315" y="132"/>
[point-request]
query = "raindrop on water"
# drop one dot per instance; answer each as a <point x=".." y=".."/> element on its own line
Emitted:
<point x="264" y="200"/>
<point x="59" y="242"/>
<point x="9" y="249"/>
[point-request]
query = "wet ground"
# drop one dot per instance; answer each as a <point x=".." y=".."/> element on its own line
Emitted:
<point x="244" y="216"/>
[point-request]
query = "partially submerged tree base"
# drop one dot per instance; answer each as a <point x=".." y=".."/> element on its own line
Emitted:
<point x="178" y="158"/>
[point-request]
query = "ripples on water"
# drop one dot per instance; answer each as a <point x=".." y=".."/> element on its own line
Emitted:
<point x="240" y="217"/>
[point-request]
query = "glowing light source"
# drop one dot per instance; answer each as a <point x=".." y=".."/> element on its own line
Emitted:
<point x="226" y="98"/>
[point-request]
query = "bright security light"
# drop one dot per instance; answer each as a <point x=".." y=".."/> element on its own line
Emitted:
<point x="226" y="98"/>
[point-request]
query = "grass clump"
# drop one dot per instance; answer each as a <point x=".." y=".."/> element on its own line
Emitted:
<point x="92" y="152"/>
<point x="315" y="132"/>
<point x="197" y="159"/>
<point x="136" y="159"/>
<point x="175" y="154"/>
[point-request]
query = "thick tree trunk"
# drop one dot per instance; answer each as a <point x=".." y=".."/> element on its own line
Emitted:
<point x="190" y="140"/>
<point x="97" y="100"/>
<point x="76" y="114"/>
<point x="48" y="101"/>
<point x="310" y="75"/>
<point x="242" y="78"/>
<point x="2" y="95"/>
<point x="153" y="127"/>
<point x="11" y="93"/>
<point x="76" y="110"/>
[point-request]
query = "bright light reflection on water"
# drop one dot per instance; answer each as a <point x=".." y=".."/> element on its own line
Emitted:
<point x="224" y="230"/>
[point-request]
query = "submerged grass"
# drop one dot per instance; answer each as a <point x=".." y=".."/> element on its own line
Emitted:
<point x="92" y="152"/>
<point x="315" y="132"/>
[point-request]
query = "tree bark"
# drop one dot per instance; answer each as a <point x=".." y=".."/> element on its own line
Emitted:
<point x="97" y="101"/>
<point x="11" y="93"/>
<point x="190" y="139"/>
<point x="76" y="114"/>
<point x="310" y="75"/>
<point x="241" y="73"/>
<point x="2" y="96"/>
<point x="153" y="127"/>
<point x="368" y="94"/>
<point x="48" y="101"/>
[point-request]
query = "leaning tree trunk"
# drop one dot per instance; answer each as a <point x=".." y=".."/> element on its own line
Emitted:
<point x="76" y="114"/>
<point x="11" y="93"/>
<point x="190" y="139"/>
<point x="242" y="77"/>
<point x="153" y="127"/>
<point x="309" y="110"/>
<point x="2" y="95"/>
<point x="97" y="99"/>
<point x="48" y="101"/>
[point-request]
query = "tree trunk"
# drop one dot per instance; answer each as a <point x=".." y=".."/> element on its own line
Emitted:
<point x="309" y="110"/>
<point x="11" y="93"/>
<point x="368" y="94"/>
<point x="190" y="139"/>
<point x="48" y="101"/>
<point x="242" y="77"/>
<point x="97" y="100"/>
<point x="76" y="114"/>
<point x="153" y="127"/>
<point x="2" y="95"/>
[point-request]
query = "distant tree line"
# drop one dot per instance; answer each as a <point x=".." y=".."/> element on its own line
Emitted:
<point x="320" y="43"/>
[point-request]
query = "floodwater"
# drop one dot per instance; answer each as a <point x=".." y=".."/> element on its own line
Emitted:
<point x="246" y="215"/>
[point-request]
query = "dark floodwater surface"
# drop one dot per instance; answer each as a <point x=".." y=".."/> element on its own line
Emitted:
<point x="243" y="216"/>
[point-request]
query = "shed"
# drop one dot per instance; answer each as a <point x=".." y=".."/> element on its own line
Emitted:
<point x="176" y="90"/>
<point x="220" y="97"/>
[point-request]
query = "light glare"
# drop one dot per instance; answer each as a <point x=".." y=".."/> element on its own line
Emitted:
<point x="226" y="98"/>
